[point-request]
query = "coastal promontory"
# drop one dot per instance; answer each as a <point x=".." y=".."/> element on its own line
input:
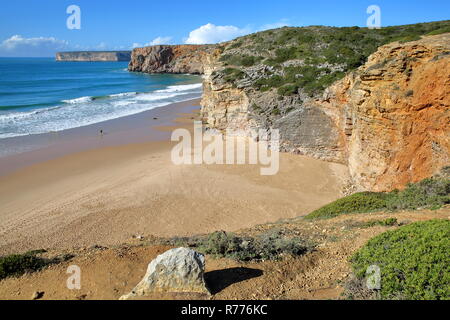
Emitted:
<point x="92" y="56"/>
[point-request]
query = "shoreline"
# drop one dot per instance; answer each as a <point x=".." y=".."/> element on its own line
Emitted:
<point x="137" y="128"/>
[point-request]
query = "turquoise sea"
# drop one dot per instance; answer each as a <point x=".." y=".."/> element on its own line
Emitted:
<point x="40" y="95"/>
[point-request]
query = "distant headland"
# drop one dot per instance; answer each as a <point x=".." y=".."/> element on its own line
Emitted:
<point x="92" y="56"/>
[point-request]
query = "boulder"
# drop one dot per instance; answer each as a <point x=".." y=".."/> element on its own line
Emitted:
<point x="176" y="271"/>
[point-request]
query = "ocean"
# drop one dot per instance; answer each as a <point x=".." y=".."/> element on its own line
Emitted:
<point x="40" y="95"/>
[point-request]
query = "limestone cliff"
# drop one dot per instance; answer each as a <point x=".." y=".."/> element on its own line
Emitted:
<point x="169" y="59"/>
<point x="91" y="56"/>
<point x="388" y="120"/>
<point x="393" y="114"/>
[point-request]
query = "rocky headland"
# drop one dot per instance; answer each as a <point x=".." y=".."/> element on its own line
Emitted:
<point x="92" y="56"/>
<point x="170" y="59"/>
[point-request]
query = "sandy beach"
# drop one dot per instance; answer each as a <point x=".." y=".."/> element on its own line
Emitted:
<point x="82" y="192"/>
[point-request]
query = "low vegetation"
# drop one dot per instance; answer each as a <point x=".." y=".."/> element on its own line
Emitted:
<point x="18" y="264"/>
<point x="432" y="193"/>
<point x="389" y="222"/>
<point x="413" y="260"/>
<point x="312" y="58"/>
<point x="232" y="74"/>
<point x="31" y="261"/>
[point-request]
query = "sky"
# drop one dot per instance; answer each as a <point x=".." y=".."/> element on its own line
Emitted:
<point x="30" y="28"/>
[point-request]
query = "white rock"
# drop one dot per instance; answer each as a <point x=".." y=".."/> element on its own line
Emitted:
<point x="177" y="270"/>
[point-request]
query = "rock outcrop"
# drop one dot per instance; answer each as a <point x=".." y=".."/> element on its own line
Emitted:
<point x="169" y="59"/>
<point x="388" y="120"/>
<point x="393" y="114"/>
<point x="176" y="271"/>
<point x="92" y="56"/>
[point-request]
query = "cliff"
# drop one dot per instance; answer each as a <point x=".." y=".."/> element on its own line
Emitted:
<point x="393" y="114"/>
<point x="387" y="119"/>
<point x="376" y="100"/>
<point x="169" y="59"/>
<point x="92" y="56"/>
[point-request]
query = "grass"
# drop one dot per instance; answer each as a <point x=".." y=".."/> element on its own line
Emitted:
<point x="432" y="193"/>
<point x="413" y="260"/>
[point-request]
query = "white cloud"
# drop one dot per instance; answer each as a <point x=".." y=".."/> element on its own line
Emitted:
<point x="160" y="40"/>
<point x="37" y="47"/>
<point x="210" y="33"/>
<point x="276" y="25"/>
<point x="154" y="42"/>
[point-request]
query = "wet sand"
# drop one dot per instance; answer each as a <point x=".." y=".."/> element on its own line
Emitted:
<point x="19" y="152"/>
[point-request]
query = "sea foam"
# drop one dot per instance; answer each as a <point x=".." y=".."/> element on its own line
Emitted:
<point x="87" y="110"/>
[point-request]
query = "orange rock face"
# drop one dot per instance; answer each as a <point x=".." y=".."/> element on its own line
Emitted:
<point x="394" y="114"/>
<point x="169" y="59"/>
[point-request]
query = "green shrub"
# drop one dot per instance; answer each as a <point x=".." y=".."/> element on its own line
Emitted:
<point x="410" y="38"/>
<point x="256" y="108"/>
<point x="432" y="193"/>
<point x="237" y="60"/>
<point x="414" y="261"/>
<point x="221" y="243"/>
<point x="276" y="111"/>
<point x="356" y="203"/>
<point x="248" y="61"/>
<point x="439" y="31"/>
<point x="18" y="264"/>
<point x="267" y="246"/>
<point x="229" y="59"/>
<point x="272" y="82"/>
<point x="429" y="193"/>
<point x="288" y="90"/>
<point x="390" y="222"/>
<point x="236" y="45"/>
<point x="232" y="74"/>
<point x="289" y="110"/>
<point x="272" y="244"/>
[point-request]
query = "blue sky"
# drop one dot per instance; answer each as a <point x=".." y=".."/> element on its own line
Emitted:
<point x="38" y="28"/>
